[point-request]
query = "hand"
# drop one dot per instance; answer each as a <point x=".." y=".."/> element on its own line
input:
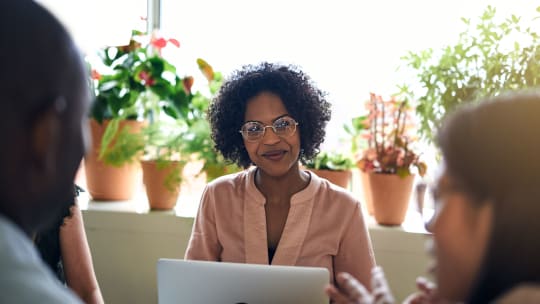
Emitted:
<point x="353" y="292"/>
<point x="427" y="294"/>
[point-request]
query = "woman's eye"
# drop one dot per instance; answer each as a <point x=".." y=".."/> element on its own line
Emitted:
<point x="281" y="124"/>
<point x="254" y="128"/>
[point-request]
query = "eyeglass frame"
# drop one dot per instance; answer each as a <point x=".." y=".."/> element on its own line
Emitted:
<point x="295" y="124"/>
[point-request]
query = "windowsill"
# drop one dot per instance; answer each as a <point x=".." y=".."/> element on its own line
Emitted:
<point x="187" y="207"/>
<point x="189" y="199"/>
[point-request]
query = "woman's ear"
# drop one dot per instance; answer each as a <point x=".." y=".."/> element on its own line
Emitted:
<point x="45" y="135"/>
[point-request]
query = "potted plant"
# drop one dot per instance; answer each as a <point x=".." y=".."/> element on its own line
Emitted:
<point x="389" y="158"/>
<point x="334" y="166"/>
<point x="163" y="162"/>
<point x="199" y="141"/>
<point x="134" y="78"/>
<point x="356" y="131"/>
<point x="489" y="58"/>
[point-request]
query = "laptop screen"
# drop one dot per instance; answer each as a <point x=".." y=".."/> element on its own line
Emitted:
<point x="194" y="282"/>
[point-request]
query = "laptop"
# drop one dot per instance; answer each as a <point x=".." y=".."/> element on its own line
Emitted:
<point x="203" y="282"/>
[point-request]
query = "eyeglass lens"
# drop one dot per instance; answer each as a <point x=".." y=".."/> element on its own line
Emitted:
<point x="253" y="130"/>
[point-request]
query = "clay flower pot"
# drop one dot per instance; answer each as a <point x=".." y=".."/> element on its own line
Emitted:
<point x="105" y="182"/>
<point x="391" y="195"/>
<point x="366" y="189"/>
<point x="162" y="183"/>
<point x="340" y="178"/>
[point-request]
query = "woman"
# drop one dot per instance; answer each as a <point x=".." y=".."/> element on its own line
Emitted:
<point x="487" y="206"/>
<point x="272" y="117"/>
<point x="65" y="250"/>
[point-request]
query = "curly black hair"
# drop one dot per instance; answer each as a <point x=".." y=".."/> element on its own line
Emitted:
<point x="302" y="99"/>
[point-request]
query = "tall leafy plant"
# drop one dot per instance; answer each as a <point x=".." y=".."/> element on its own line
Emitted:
<point x="198" y="137"/>
<point x="489" y="58"/>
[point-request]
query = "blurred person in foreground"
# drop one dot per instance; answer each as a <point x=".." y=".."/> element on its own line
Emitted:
<point x="487" y="210"/>
<point x="44" y="98"/>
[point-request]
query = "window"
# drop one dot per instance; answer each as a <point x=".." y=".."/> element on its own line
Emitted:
<point x="97" y="23"/>
<point x="349" y="48"/>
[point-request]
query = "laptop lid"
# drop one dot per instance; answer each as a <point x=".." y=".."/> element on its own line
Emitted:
<point x="203" y="282"/>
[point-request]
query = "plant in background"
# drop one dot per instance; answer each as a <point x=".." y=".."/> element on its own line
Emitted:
<point x="356" y="132"/>
<point x="332" y="161"/>
<point x="198" y="136"/>
<point x="138" y="83"/>
<point x="387" y="129"/>
<point x="488" y="59"/>
<point x="164" y="143"/>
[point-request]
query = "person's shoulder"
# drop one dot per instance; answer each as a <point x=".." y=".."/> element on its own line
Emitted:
<point x="25" y="278"/>
<point x="334" y="194"/>
<point x="526" y="293"/>
<point x="232" y="180"/>
<point x="234" y="184"/>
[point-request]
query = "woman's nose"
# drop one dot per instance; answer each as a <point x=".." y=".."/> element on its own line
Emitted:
<point x="270" y="137"/>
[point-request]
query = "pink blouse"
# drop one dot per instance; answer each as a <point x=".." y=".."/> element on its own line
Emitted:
<point x="324" y="227"/>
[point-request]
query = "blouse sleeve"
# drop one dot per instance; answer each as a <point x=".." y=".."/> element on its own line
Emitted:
<point x="355" y="254"/>
<point x="204" y="243"/>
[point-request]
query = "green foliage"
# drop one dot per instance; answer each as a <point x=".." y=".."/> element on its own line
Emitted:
<point x="174" y="178"/>
<point x="198" y="138"/>
<point x="119" y="147"/>
<point x="138" y="84"/>
<point x="141" y="84"/>
<point x="489" y="58"/>
<point x="355" y="130"/>
<point x="333" y="161"/>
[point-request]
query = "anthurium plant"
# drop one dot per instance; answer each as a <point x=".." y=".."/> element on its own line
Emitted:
<point x="387" y="129"/>
<point x="137" y="83"/>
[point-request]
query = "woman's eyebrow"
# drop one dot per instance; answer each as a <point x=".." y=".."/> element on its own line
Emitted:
<point x="273" y="120"/>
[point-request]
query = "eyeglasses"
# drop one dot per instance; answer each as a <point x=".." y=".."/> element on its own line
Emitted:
<point x="283" y="127"/>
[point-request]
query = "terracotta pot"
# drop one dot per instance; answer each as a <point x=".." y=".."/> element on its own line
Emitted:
<point x="391" y="195"/>
<point x="340" y="178"/>
<point x="162" y="183"/>
<point x="105" y="182"/>
<point x="366" y="189"/>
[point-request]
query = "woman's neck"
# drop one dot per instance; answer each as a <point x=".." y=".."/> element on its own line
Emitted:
<point x="281" y="188"/>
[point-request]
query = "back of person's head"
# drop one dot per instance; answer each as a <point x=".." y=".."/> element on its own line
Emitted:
<point x="493" y="150"/>
<point x="44" y="97"/>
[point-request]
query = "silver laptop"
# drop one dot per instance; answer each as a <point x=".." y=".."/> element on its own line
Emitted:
<point x="201" y="282"/>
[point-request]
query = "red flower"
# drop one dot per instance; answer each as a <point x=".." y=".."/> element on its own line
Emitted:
<point x="158" y="43"/>
<point x="95" y="75"/>
<point x="146" y="78"/>
<point x="174" y="42"/>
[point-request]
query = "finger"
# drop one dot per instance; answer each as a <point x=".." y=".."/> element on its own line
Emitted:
<point x="425" y="285"/>
<point x="382" y="295"/>
<point x="335" y="295"/>
<point x="416" y="298"/>
<point x="379" y="286"/>
<point x="353" y="289"/>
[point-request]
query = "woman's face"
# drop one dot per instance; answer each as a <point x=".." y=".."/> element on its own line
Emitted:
<point x="274" y="155"/>
<point x="461" y="230"/>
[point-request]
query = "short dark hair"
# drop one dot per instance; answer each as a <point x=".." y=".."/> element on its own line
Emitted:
<point x="493" y="149"/>
<point x="302" y="99"/>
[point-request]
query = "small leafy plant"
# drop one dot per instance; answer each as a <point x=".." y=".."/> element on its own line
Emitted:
<point x="332" y="161"/>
